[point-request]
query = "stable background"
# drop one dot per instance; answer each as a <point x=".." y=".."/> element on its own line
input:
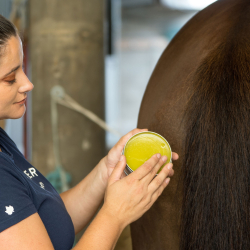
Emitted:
<point x="102" y="54"/>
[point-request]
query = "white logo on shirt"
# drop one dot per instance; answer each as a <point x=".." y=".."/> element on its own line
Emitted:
<point x="9" y="210"/>
<point x="32" y="171"/>
<point x="41" y="185"/>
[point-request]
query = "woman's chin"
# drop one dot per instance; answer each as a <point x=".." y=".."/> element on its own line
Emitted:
<point x="13" y="113"/>
<point x="19" y="114"/>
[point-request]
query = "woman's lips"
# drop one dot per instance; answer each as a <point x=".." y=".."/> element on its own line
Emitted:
<point x="21" y="102"/>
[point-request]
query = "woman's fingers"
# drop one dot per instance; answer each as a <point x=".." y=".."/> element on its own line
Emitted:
<point x="114" y="154"/>
<point x="160" y="178"/>
<point x="118" y="170"/>
<point x="146" y="168"/>
<point x="171" y="172"/>
<point x="154" y="196"/>
<point x="175" y="156"/>
<point x="159" y="191"/>
<point x="123" y="140"/>
<point x="148" y="178"/>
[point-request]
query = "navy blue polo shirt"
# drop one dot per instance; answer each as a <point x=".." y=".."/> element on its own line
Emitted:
<point x="25" y="191"/>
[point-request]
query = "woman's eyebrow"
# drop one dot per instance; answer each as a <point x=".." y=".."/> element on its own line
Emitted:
<point x="16" y="68"/>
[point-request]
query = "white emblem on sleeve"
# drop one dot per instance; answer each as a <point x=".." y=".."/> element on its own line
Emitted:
<point x="9" y="210"/>
<point x="41" y="185"/>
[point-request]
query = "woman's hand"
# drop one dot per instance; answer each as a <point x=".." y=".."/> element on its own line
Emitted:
<point x="114" y="154"/>
<point x="109" y="162"/>
<point x="129" y="198"/>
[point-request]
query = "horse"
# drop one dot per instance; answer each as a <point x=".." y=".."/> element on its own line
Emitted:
<point x="198" y="98"/>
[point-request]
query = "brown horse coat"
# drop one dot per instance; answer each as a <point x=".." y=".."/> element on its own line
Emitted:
<point x="184" y="108"/>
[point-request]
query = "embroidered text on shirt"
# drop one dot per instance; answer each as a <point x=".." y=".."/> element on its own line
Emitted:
<point x="32" y="171"/>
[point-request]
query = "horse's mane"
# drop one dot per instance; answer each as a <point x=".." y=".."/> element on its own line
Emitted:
<point x="216" y="168"/>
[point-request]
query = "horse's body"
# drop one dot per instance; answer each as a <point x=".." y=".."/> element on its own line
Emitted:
<point x="214" y="43"/>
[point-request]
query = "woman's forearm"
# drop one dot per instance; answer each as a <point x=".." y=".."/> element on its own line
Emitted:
<point x="102" y="233"/>
<point x="126" y="200"/>
<point x="83" y="200"/>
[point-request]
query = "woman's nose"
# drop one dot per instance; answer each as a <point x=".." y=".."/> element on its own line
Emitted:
<point x="26" y="85"/>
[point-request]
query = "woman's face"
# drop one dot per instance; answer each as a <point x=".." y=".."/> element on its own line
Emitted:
<point x="14" y="84"/>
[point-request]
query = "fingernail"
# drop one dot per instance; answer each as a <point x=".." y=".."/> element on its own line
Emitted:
<point x="170" y="166"/>
<point x="121" y="158"/>
<point x="164" y="158"/>
<point x="158" y="155"/>
<point x="167" y="180"/>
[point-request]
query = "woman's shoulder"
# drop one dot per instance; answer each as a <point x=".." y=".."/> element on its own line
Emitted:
<point x="6" y="163"/>
<point x="15" y="196"/>
<point x="9" y="173"/>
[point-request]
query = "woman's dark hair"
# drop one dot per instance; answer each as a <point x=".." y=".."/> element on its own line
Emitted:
<point x="7" y="30"/>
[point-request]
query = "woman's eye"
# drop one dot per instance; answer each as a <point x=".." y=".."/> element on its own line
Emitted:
<point x="12" y="81"/>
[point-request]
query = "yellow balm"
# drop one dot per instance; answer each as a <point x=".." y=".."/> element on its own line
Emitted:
<point x="143" y="146"/>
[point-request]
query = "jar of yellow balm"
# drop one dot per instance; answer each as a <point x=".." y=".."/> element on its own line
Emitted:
<point x="142" y="146"/>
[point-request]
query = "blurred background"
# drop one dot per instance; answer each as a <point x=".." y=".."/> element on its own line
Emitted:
<point x="99" y="55"/>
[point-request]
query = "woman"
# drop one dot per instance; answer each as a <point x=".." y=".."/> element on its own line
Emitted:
<point x="32" y="214"/>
